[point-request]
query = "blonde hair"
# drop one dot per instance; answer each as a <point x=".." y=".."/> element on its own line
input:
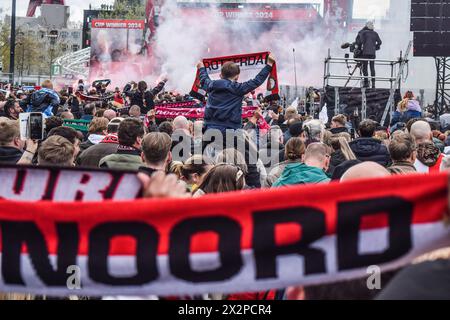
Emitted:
<point x="381" y="135"/>
<point x="47" y="84"/>
<point x="290" y="113"/>
<point x="340" y="119"/>
<point x="402" y="105"/>
<point x="57" y="151"/>
<point x="340" y="141"/>
<point x="9" y="130"/>
<point x="98" y="125"/>
<point x="175" y="167"/>
<point x="326" y="137"/>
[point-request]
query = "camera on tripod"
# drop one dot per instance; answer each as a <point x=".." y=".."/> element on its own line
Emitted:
<point x="354" y="48"/>
<point x="357" y="53"/>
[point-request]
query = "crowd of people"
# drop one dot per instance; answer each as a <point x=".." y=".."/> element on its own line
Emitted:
<point x="277" y="147"/>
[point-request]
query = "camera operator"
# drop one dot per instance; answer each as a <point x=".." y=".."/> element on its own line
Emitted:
<point x="369" y="42"/>
<point x="313" y="101"/>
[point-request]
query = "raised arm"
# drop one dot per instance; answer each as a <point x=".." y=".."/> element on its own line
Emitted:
<point x="205" y="80"/>
<point x="158" y="88"/>
<point x="246" y="87"/>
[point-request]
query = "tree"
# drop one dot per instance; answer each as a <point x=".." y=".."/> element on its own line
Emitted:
<point x="125" y="9"/>
<point x="26" y="54"/>
<point x="32" y="56"/>
<point x="4" y="45"/>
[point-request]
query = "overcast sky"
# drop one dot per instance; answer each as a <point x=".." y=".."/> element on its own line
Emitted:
<point x="362" y="8"/>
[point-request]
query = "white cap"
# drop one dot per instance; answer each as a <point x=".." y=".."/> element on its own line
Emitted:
<point x="370" y="25"/>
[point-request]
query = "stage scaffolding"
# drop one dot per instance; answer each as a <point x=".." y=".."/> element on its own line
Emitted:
<point x="392" y="77"/>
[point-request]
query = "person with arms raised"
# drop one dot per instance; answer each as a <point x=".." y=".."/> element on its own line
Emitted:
<point x="45" y="100"/>
<point x="224" y="107"/>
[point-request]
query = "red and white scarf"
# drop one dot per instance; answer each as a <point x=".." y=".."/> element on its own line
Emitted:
<point x="163" y="112"/>
<point x="234" y="242"/>
<point x="252" y="62"/>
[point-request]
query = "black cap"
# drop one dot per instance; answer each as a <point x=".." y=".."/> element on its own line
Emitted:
<point x="296" y="129"/>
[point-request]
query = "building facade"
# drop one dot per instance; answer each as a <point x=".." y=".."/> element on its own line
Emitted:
<point x="52" y="28"/>
<point x="41" y="40"/>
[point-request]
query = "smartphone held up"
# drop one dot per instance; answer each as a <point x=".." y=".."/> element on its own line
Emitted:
<point x="32" y="126"/>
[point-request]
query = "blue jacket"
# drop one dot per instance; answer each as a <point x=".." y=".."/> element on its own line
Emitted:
<point x="44" y="100"/>
<point x="87" y="117"/>
<point x="370" y="149"/>
<point x="224" y="107"/>
<point x="404" y="117"/>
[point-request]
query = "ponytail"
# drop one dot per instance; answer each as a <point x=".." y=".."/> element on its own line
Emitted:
<point x="346" y="150"/>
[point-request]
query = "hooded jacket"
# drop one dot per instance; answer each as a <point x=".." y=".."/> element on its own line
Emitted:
<point x="429" y="158"/>
<point x="300" y="173"/>
<point x="370" y="149"/>
<point x="126" y="158"/>
<point x="45" y="100"/>
<point x="10" y="155"/>
<point x="369" y="41"/>
<point x="91" y="156"/>
<point x="224" y="106"/>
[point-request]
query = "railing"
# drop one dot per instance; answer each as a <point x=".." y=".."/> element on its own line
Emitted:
<point x="24" y="79"/>
<point x="396" y="72"/>
<point x="340" y="79"/>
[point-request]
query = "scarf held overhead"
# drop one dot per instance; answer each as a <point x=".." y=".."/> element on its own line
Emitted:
<point x="234" y="242"/>
<point x="252" y="62"/>
<point x="169" y="105"/>
<point x="193" y="113"/>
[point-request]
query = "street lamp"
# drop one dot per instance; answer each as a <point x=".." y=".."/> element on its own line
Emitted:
<point x="21" y="43"/>
<point x="53" y="35"/>
<point x="12" y="43"/>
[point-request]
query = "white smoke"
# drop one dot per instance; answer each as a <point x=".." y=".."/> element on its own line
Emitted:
<point x="181" y="43"/>
<point x="183" y="40"/>
<point x="394" y="30"/>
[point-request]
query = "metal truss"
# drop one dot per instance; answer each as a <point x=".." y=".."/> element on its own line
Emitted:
<point x="75" y="63"/>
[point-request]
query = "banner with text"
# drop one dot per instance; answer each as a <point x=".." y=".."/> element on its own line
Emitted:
<point x="163" y="112"/>
<point x="116" y="50"/>
<point x="233" y="242"/>
<point x="250" y="64"/>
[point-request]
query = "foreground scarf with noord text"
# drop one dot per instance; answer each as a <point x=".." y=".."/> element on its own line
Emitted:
<point x="253" y="63"/>
<point x="227" y="243"/>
